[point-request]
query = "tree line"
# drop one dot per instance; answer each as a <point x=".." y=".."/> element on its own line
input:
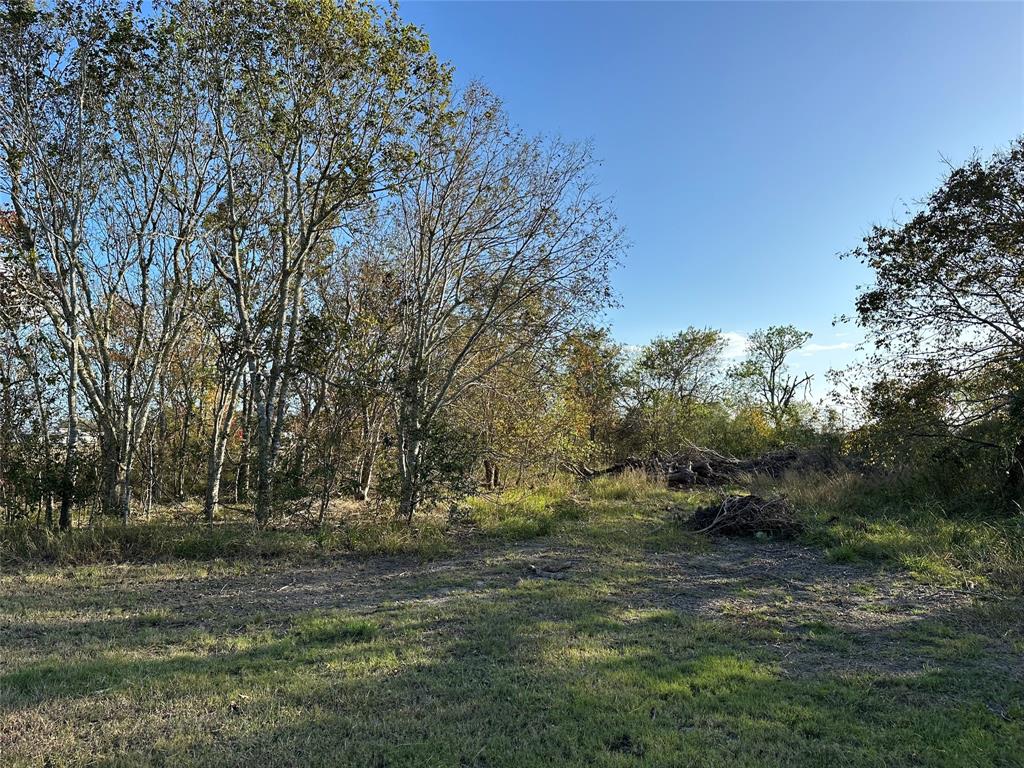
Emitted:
<point x="264" y="251"/>
<point x="266" y="223"/>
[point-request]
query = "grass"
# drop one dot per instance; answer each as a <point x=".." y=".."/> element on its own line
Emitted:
<point x="169" y="538"/>
<point x="658" y="648"/>
<point x="630" y="485"/>
<point x="332" y="629"/>
<point x="523" y="514"/>
<point x="883" y="521"/>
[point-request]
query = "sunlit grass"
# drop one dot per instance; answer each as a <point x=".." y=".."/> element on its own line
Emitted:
<point x="878" y="520"/>
<point x="629" y="485"/>
<point x="485" y="666"/>
<point x="534" y="674"/>
<point x="524" y="513"/>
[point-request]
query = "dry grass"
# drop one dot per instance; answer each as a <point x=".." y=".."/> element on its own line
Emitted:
<point x="175" y="533"/>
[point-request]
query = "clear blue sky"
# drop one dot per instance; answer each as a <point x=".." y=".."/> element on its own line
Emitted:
<point x="746" y="144"/>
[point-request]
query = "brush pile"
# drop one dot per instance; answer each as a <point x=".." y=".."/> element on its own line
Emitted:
<point x="746" y="516"/>
<point x="696" y="466"/>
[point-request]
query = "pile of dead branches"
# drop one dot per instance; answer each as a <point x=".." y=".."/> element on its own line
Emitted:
<point x="695" y="466"/>
<point x="746" y="516"/>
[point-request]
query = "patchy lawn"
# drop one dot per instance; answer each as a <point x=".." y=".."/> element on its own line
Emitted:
<point x="613" y="639"/>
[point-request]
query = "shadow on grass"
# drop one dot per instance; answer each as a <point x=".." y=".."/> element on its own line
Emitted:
<point x="588" y="671"/>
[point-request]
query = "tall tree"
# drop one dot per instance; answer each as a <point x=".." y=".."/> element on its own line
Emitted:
<point x="311" y="102"/>
<point x="501" y="245"/>
<point x="105" y="166"/>
<point x="948" y="297"/>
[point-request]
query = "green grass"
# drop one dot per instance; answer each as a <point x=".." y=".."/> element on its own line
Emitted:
<point x="630" y="485"/>
<point x="332" y="629"/>
<point x="523" y="514"/>
<point x="883" y="522"/>
<point x="659" y="648"/>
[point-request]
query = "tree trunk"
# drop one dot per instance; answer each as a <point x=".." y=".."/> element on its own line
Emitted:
<point x="125" y="498"/>
<point x="1015" y="476"/>
<point x="179" y="480"/>
<point x="366" y="462"/>
<point x="115" y="458"/>
<point x="264" y="459"/>
<point x="221" y="432"/>
<point x="70" y="474"/>
<point x="409" y="475"/>
<point x="242" y="478"/>
<point x="490" y="474"/>
<point x="371" y="434"/>
<point x="410" y="429"/>
<point x="214" y="468"/>
<point x="299" y="462"/>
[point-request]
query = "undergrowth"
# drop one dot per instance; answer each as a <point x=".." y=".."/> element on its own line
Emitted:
<point x="887" y="520"/>
<point x="162" y="541"/>
<point x="881" y="520"/>
<point x="525" y="513"/>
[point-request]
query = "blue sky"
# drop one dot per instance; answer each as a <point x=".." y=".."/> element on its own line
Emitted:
<point x="747" y="144"/>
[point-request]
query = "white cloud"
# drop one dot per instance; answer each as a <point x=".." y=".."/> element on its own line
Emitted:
<point x="813" y="349"/>
<point x="735" y="344"/>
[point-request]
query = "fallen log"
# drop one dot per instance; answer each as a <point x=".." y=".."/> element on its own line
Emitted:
<point x="695" y="466"/>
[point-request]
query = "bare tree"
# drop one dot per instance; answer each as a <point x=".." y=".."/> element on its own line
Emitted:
<point x="501" y="244"/>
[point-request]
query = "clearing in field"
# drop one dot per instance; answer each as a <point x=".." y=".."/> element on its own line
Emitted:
<point x="615" y="639"/>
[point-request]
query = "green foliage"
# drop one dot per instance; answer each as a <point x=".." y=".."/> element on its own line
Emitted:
<point x="764" y="377"/>
<point x="906" y="429"/>
<point x="686" y="365"/>
<point x="450" y="453"/>
<point x="589" y="387"/>
<point x="944" y="314"/>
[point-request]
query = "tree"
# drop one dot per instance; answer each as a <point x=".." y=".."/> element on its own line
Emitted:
<point x="500" y="245"/>
<point x="107" y="168"/>
<point x="279" y="202"/>
<point x="311" y="104"/>
<point x="687" y="365"/>
<point x="591" y="365"/>
<point x="948" y="297"/>
<point x="765" y="372"/>
<point x="670" y="386"/>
